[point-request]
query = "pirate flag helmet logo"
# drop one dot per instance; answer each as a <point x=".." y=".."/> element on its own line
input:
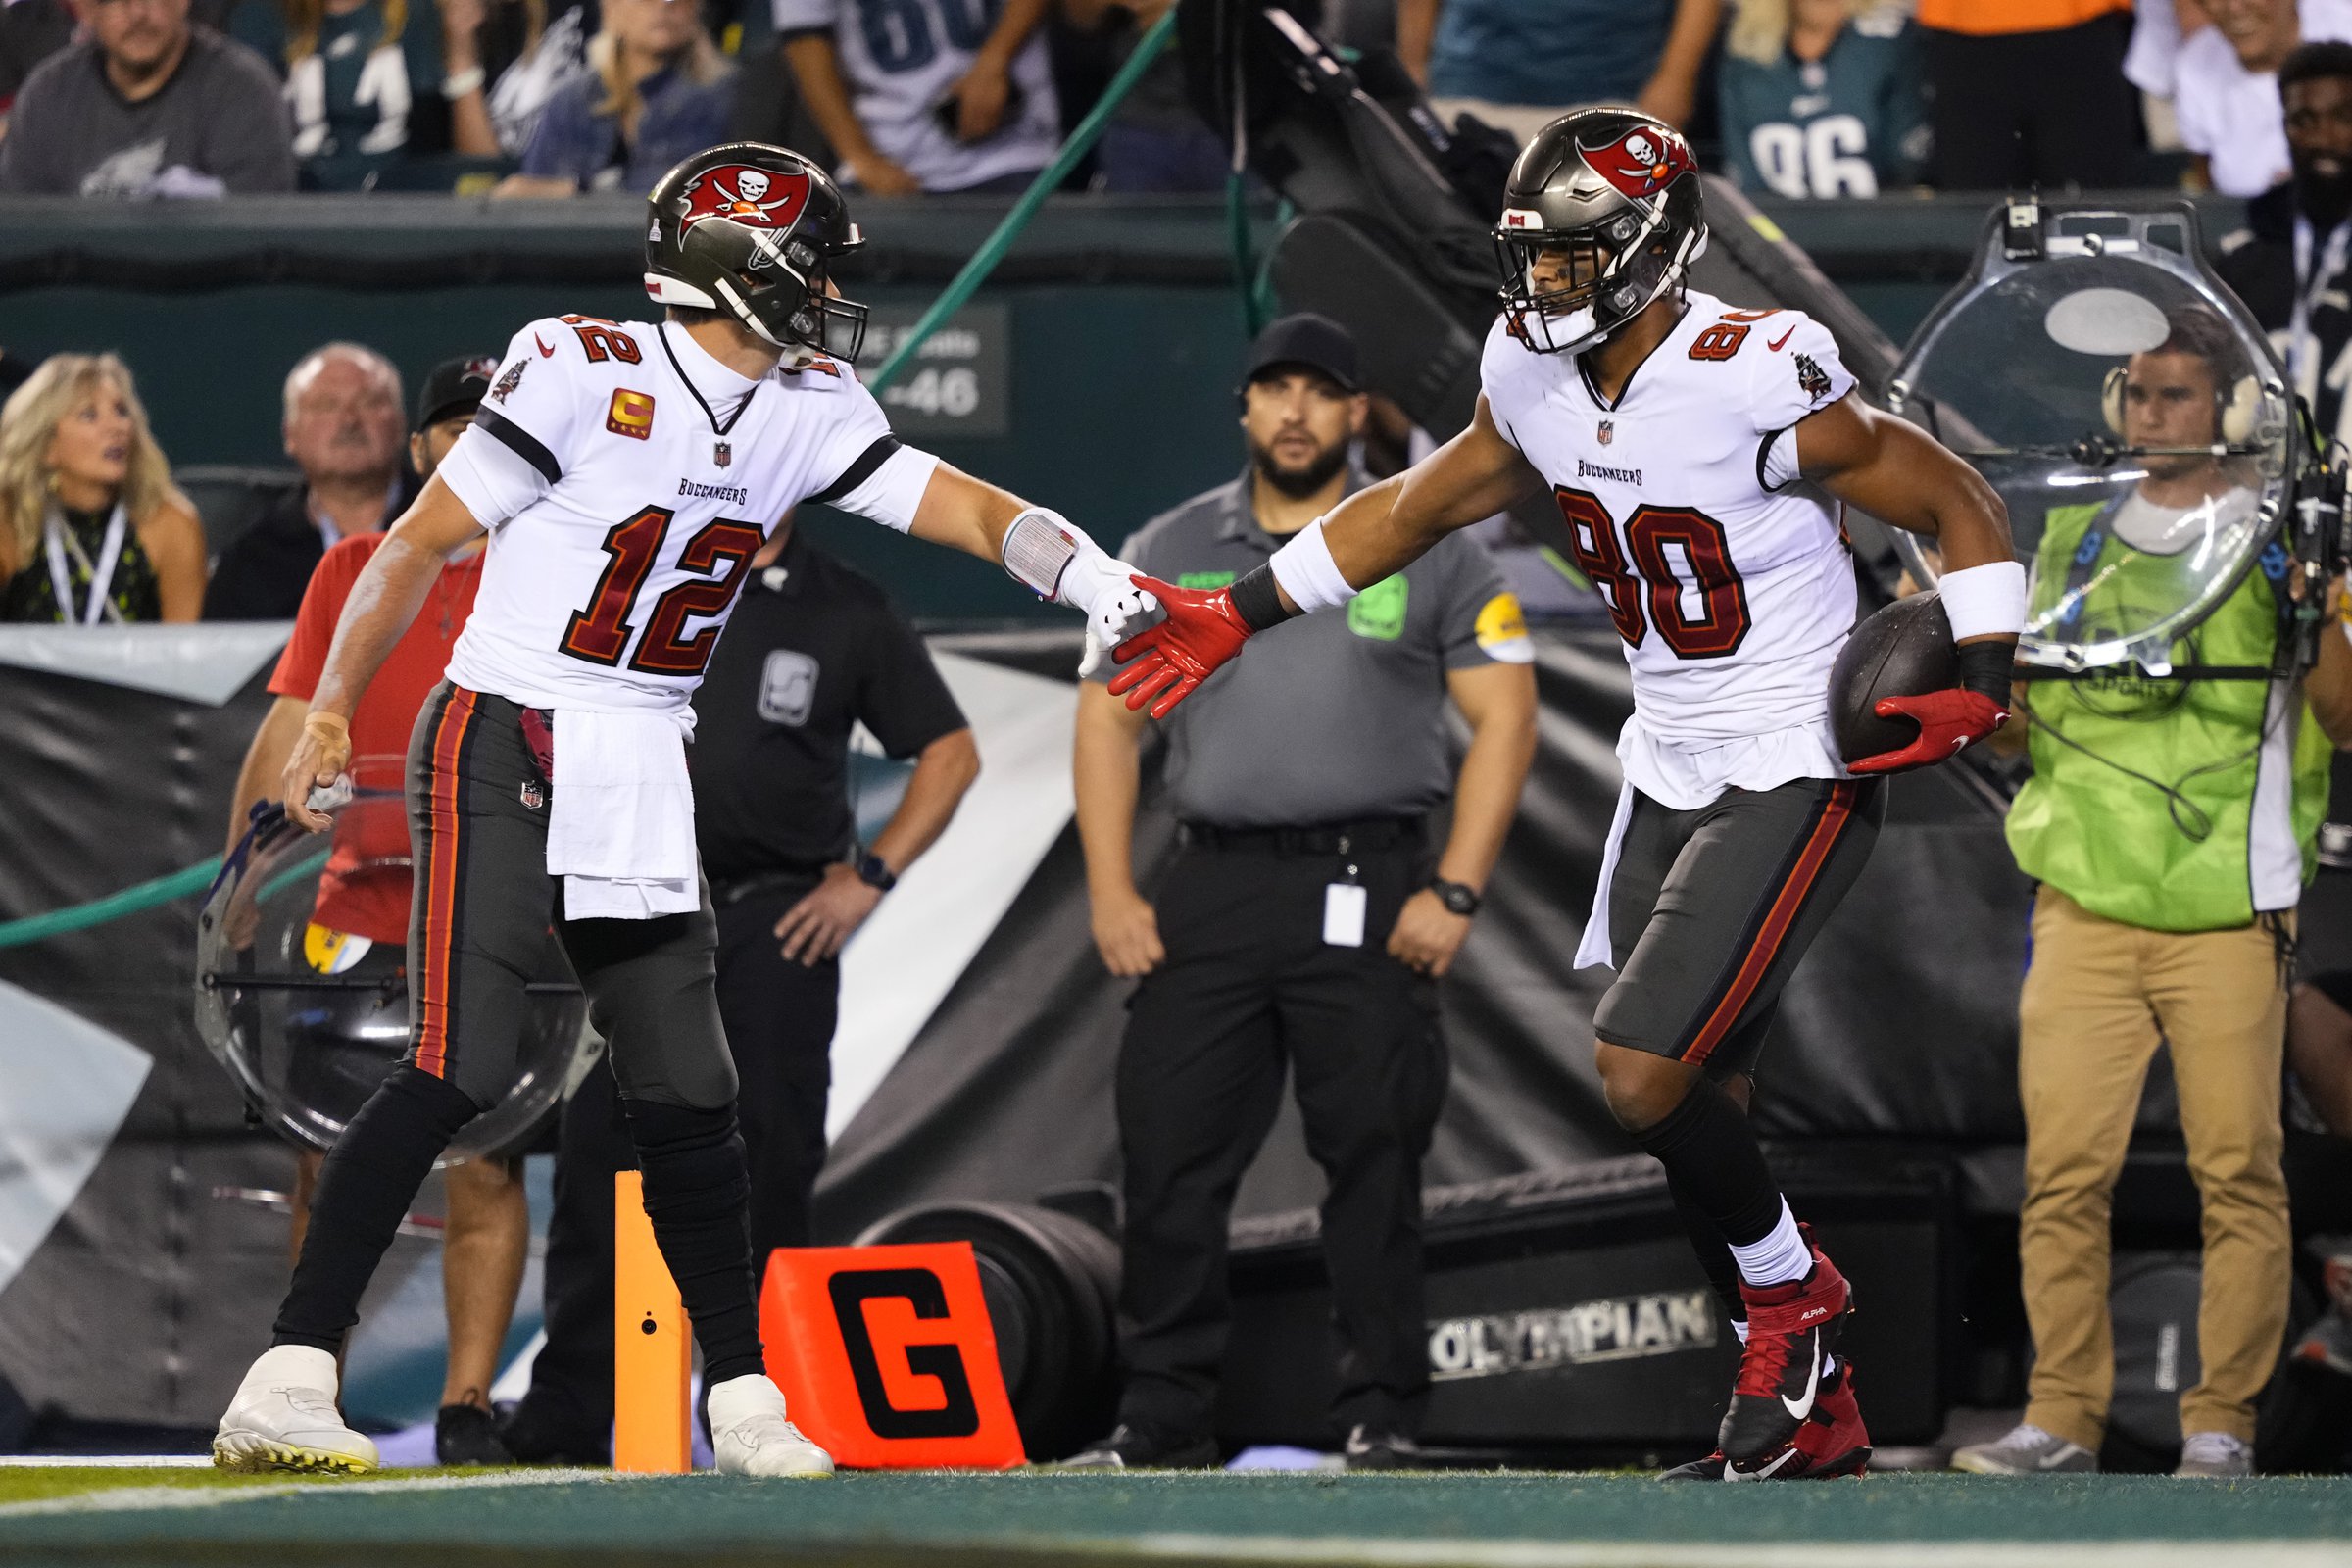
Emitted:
<point x="1601" y="215"/>
<point x="751" y="232"/>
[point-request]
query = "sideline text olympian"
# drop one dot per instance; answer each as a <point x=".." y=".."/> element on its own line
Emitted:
<point x="626" y="472"/>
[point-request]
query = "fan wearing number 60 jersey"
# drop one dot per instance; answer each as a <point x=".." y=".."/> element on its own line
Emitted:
<point x="1698" y="454"/>
<point x="625" y="472"/>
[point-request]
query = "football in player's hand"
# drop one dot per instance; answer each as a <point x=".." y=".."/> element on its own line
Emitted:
<point x="1905" y="650"/>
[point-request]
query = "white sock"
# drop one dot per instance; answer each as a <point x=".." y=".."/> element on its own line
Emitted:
<point x="1779" y="1257"/>
<point x="1739" y="1328"/>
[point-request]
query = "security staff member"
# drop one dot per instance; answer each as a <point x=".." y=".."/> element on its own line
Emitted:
<point x="1300" y="922"/>
<point x="813" y="650"/>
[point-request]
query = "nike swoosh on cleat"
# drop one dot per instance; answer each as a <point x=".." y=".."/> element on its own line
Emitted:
<point x="1781" y="342"/>
<point x="1798" y="1410"/>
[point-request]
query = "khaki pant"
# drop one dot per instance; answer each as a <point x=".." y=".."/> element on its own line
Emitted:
<point x="2099" y="996"/>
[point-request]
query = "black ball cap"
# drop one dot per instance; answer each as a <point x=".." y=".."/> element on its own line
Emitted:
<point x="454" y="387"/>
<point x="1316" y="342"/>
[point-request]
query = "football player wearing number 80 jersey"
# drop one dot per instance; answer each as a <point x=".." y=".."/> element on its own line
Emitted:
<point x="1699" y="454"/>
<point x="625" y="472"/>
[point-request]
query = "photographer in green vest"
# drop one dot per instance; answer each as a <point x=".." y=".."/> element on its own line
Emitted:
<point x="2170" y="823"/>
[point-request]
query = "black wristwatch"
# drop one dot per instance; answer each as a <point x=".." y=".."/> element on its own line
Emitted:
<point x="875" y="874"/>
<point x="1457" y="897"/>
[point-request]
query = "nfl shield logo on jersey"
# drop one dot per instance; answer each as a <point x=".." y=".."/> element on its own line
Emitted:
<point x="722" y="453"/>
<point x="1608" y="431"/>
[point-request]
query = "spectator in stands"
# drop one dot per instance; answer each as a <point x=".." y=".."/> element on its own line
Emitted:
<point x="343" y="430"/>
<point x="2171" y="840"/>
<point x="1823" y="97"/>
<point x="530" y="57"/>
<point x="30" y="32"/>
<point x="657" y="89"/>
<point x="2296" y="289"/>
<point x="374" y="82"/>
<point x="1154" y="142"/>
<point x="2226" y="88"/>
<point x="1516" y="64"/>
<point x="149" y="105"/>
<point x="92" y="529"/>
<point x="937" y="101"/>
<point x="2030" y="92"/>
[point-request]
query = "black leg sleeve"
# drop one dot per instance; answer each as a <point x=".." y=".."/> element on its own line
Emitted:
<point x="1714" y="1252"/>
<point x="697" y="1196"/>
<point x="365" y="1189"/>
<point x="1713" y="1163"/>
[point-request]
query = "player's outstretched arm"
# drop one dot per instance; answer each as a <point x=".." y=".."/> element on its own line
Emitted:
<point x="1370" y="536"/>
<point x="1900" y="476"/>
<point x="382" y="603"/>
<point x="1038" y="547"/>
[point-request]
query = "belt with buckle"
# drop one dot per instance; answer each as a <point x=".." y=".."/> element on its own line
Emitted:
<point x="1370" y="835"/>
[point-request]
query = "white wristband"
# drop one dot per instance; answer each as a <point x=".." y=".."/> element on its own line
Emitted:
<point x="1038" y="547"/>
<point x="1308" y="574"/>
<point x="464" y="81"/>
<point x="1982" y="600"/>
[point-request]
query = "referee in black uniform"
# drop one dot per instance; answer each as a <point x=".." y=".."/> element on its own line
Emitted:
<point x="1307" y="919"/>
<point x="812" y="650"/>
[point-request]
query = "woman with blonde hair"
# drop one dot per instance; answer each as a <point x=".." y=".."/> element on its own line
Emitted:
<point x="656" y="90"/>
<point x="92" y="529"/>
<point x="1823" y="97"/>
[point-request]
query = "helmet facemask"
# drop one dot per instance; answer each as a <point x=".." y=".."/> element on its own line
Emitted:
<point x="1622" y="266"/>
<point x="782" y="290"/>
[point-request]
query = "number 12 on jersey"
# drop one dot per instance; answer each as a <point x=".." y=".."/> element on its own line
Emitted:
<point x="720" y="552"/>
<point x="1665" y="552"/>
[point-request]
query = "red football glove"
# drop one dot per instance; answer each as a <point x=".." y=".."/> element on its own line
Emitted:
<point x="1949" y="723"/>
<point x="1163" y="665"/>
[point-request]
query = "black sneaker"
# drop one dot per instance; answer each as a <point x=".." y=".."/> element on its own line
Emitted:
<point x="535" y="1433"/>
<point x="468" y="1434"/>
<point x="1137" y="1447"/>
<point x="1371" y="1448"/>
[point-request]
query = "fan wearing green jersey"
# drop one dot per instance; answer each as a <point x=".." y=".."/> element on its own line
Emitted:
<point x="1823" y="98"/>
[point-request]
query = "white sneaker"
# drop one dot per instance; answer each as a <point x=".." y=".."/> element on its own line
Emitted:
<point x="284" y="1417"/>
<point x="750" y="1437"/>
<point x="2026" y="1451"/>
<point x="2215" y="1455"/>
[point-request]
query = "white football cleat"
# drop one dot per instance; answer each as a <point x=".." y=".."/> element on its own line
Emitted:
<point x="750" y="1436"/>
<point x="284" y="1417"/>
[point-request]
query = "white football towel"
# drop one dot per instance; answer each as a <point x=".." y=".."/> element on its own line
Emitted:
<point x="620" y="829"/>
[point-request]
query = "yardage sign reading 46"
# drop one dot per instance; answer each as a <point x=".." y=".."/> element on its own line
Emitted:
<point x="959" y="381"/>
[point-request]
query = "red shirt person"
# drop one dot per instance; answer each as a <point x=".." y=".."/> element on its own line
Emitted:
<point x="364" y="893"/>
<point x="365" y="889"/>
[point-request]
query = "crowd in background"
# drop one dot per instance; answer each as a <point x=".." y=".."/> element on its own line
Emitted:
<point x="1797" y="98"/>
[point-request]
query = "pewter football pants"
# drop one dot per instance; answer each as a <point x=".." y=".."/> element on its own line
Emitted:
<point x="482" y="905"/>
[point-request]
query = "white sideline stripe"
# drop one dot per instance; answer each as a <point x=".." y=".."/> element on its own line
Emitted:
<point x="106" y="1461"/>
<point x="1471" y="1554"/>
<point x="124" y="1499"/>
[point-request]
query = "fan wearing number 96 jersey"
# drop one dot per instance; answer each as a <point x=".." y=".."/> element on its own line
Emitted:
<point x="1697" y="453"/>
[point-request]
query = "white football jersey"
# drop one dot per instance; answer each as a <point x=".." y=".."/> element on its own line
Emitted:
<point x="1733" y="595"/>
<point x="902" y="58"/>
<point x="627" y="478"/>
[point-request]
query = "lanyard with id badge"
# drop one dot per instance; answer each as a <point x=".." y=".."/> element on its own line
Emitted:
<point x="1344" y="904"/>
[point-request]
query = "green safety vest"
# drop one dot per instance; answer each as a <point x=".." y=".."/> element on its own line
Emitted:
<point x="2109" y="841"/>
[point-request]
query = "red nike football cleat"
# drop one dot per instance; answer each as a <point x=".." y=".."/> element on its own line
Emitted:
<point x="1791" y="1330"/>
<point x="1831" y="1442"/>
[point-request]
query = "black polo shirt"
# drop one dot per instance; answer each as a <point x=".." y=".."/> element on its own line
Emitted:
<point x="262" y="572"/>
<point x="813" y="648"/>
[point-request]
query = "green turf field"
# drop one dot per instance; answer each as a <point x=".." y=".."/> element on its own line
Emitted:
<point x="571" y="1519"/>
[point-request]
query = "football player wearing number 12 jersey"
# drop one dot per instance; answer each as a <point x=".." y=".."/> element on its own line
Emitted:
<point x="1700" y="455"/>
<point x="626" y="472"/>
